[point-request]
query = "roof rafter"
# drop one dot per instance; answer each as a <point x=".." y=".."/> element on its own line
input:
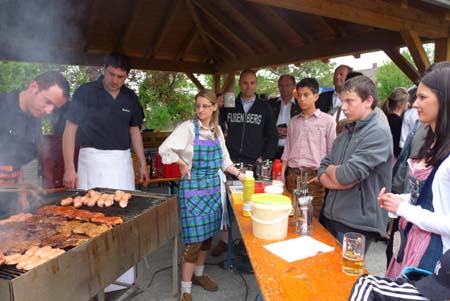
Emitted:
<point x="200" y="28"/>
<point x="187" y="43"/>
<point x="379" y="14"/>
<point x="195" y="81"/>
<point x="160" y="33"/>
<point x="407" y="68"/>
<point x="373" y="40"/>
<point x="416" y="49"/>
<point x="89" y="32"/>
<point x="266" y="38"/>
<point x="290" y="35"/>
<point x="135" y="11"/>
<point x="227" y="27"/>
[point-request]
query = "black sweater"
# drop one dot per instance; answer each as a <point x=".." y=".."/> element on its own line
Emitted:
<point x="252" y="134"/>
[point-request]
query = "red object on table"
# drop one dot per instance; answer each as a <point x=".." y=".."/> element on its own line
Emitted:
<point x="166" y="170"/>
<point x="259" y="187"/>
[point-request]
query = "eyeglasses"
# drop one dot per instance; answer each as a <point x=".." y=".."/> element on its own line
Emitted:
<point x="198" y="107"/>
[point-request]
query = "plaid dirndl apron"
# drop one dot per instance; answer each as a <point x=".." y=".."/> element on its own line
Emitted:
<point x="200" y="197"/>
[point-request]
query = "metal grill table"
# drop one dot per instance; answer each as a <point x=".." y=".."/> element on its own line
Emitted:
<point x="150" y="220"/>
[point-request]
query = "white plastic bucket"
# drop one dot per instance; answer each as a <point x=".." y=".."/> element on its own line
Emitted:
<point x="270" y="221"/>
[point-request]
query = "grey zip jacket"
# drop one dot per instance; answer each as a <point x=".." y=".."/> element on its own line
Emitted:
<point x="361" y="154"/>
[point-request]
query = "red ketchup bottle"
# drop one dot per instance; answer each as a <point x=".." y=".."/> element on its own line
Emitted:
<point x="276" y="170"/>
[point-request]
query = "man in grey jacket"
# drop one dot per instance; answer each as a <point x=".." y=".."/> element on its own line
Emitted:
<point x="358" y="166"/>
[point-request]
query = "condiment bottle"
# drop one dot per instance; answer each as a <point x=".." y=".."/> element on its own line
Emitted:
<point x="249" y="190"/>
<point x="276" y="170"/>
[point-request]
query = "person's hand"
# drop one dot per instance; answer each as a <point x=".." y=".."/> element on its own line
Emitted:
<point x="22" y="201"/>
<point x="314" y="180"/>
<point x="389" y="201"/>
<point x="241" y="177"/>
<point x="70" y="178"/>
<point x="282" y="132"/>
<point x="143" y="174"/>
<point x="184" y="169"/>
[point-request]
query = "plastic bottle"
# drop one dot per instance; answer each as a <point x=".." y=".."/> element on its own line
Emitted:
<point x="276" y="170"/>
<point x="249" y="190"/>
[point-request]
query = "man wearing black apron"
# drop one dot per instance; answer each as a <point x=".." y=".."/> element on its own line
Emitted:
<point x="20" y="130"/>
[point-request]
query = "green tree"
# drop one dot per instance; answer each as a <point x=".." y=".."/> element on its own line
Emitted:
<point x="389" y="76"/>
<point x="167" y="99"/>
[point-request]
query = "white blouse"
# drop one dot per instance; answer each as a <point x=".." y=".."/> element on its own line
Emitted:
<point x="438" y="221"/>
<point x="180" y="144"/>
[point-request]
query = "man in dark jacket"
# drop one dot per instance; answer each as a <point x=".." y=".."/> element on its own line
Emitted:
<point x="284" y="108"/>
<point x="330" y="99"/>
<point x="252" y="134"/>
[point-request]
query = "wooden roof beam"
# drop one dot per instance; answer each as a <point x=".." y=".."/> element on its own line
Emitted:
<point x="286" y="32"/>
<point x="195" y="81"/>
<point x="250" y="22"/>
<point x="62" y="56"/>
<point x="407" y="68"/>
<point x="232" y="30"/>
<point x="216" y="83"/>
<point x="89" y="31"/>
<point x="160" y="33"/>
<point x="228" y="83"/>
<point x="187" y="43"/>
<point x="442" y="50"/>
<point x="133" y="18"/>
<point x="200" y="28"/>
<point x="221" y="45"/>
<point x="362" y="42"/>
<point x="379" y="14"/>
<point x="416" y="49"/>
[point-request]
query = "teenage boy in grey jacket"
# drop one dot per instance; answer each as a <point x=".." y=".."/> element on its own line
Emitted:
<point x="358" y="166"/>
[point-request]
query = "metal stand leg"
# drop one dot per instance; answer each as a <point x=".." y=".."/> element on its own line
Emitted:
<point x="175" y="267"/>
<point x="230" y="247"/>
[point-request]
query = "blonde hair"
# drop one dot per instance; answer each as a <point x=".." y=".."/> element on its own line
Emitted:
<point x="395" y="100"/>
<point x="211" y="96"/>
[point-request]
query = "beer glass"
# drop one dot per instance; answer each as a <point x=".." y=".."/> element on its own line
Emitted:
<point x="353" y="253"/>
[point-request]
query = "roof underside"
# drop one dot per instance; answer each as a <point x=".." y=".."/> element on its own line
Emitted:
<point x="204" y="36"/>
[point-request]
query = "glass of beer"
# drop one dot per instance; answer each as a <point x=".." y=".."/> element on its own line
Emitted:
<point x="353" y="253"/>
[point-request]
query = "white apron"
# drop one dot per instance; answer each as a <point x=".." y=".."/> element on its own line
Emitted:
<point x="105" y="168"/>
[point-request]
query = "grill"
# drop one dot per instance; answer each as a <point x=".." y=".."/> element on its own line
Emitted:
<point x="150" y="220"/>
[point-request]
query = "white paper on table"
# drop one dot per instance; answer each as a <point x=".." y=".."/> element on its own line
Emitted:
<point x="298" y="248"/>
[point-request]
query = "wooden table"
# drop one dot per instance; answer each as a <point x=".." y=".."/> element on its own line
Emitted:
<point x="315" y="278"/>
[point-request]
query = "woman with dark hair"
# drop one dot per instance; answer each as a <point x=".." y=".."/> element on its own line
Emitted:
<point x="198" y="147"/>
<point x="424" y="224"/>
<point x="394" y="107"/>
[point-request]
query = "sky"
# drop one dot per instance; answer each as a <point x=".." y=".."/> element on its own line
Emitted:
<point x="365" y="61"/>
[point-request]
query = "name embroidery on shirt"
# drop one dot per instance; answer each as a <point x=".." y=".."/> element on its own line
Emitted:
<point x="125" y="110"/>
<point x="240" y="117"/>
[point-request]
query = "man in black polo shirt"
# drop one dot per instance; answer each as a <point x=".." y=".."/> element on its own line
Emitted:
<point x="106" y="115"/>
<point x="20" y="128"/>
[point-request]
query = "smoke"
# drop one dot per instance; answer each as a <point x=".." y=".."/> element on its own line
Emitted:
<point x="41" y="30"/>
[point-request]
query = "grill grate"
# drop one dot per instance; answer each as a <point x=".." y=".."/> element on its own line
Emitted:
<point x="9" y="272"/>
<point x="140" y="202"/>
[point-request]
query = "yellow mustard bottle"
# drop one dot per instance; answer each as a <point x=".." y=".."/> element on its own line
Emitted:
<point x="249" y="190"/>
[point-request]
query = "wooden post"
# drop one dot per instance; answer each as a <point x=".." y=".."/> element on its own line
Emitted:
<point x="194" y="80"/>
<point x="228" y="85"/>
<point x="216" y="83"/>
<point x="442" y="50"/>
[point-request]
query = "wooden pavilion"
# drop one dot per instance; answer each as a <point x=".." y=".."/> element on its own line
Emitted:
<point x="221" y="37"/>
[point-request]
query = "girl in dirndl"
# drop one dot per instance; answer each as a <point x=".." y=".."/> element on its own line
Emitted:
<point x="424" y="224"/>
<point x="198" y="147"/>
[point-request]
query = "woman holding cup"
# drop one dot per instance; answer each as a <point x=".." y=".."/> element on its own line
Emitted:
<point x="424" y="225"/>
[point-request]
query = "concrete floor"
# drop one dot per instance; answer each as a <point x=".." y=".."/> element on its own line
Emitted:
<point x="233" y="285"/>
